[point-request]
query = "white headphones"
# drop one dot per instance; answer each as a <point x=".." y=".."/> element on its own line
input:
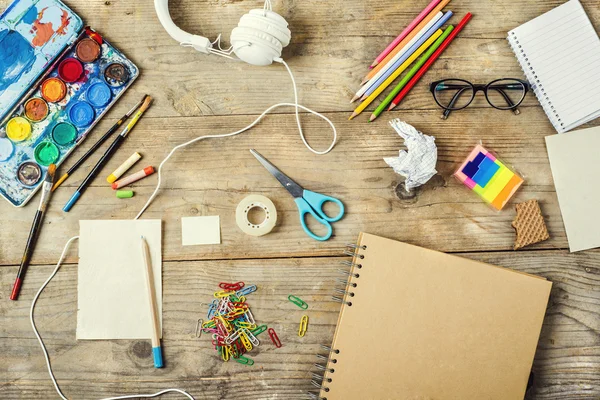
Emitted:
<point x="258" y="39"/>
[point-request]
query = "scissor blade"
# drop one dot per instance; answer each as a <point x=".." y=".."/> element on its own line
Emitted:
<point x="287" y="182"/>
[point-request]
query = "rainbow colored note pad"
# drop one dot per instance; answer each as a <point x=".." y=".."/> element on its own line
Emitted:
<point x="57" y="80"/>
<point x="487" y="176"/>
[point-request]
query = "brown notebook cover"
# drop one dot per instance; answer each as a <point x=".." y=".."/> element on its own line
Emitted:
<point x="425" y="325"/>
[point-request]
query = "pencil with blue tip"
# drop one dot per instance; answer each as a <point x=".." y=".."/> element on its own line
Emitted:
<point x="396" y="74"/>
<point x="410" y="74"/>
<point x="156" y="347"/>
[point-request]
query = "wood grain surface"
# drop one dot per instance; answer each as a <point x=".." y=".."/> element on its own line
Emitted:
<point x="333" y="43"/>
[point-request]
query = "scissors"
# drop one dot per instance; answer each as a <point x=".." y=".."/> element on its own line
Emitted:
<point x="308" y="202"/>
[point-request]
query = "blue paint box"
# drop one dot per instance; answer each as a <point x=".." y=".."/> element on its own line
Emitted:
<point x="57" y="80"/>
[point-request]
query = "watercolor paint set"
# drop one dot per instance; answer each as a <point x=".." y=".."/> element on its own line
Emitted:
<point x="57" y="80"/>
<point x="490" y="178"/>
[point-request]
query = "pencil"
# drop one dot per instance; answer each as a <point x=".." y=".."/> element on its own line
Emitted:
<point x="96" y="145"/>
<point x="410" y="74"/>
<point x="430" y="62"/>
<point x="403" y="54"/>
<point x="396" y="74"/>
<point x="407" y="39"/>
<point x="107" y="155"/>
<point x="391" y="67"/>
<point x="156" y="348"/>
<point x="34" y="232"/>
<point x="405" y="32"/>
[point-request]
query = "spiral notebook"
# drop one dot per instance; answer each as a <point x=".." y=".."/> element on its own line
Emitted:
<point x="427" y="325"/>
<point x="560" y="54"/>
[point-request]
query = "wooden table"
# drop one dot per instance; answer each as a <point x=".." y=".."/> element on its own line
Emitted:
<point x="333" y="43"/>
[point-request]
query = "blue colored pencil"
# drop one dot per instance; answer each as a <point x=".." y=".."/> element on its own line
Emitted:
<point x="156" y="348"/>
<point x="390" y="70"/>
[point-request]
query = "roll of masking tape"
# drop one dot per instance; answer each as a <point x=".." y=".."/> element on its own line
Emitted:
<point x="256" y="201"/>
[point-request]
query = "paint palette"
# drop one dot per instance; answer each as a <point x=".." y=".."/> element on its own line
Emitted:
<point x="56" y="112"/>
<point x="487" y="176"/>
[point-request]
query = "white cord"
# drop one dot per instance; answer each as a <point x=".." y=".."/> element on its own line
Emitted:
<point x="45" y="351"/>
<point x="261" y="116"/>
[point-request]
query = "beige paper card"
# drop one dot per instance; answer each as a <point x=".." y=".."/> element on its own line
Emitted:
<point x="200" y="230"/>
<point x="112" y="295"/>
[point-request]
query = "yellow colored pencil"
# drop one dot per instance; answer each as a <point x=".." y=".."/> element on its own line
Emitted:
<point x="396" y="73"/>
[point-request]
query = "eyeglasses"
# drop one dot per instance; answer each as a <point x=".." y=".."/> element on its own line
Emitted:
<point x="456" y="94"/>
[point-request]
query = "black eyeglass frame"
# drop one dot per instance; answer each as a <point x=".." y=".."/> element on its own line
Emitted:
<point x="484" y="88"/>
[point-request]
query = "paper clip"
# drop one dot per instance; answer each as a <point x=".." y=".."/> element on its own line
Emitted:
<point x="245" y="360"/>
<point x="198" y="332"/>
<point x="250" y="317"/>
<point x="246" y="342"/>
<point x="257" y="331"/>
<point x="274" y="337"/>
<point x="233" y="337"/>
<point x="298" y="301"/>
<point x="224" y="293"/>
<point x="251" y="337"/>
<point x="231" y="286"/>
<point x="246" y="290"/>
<point x="303" y="326"/>
<point x="247" y="325"/>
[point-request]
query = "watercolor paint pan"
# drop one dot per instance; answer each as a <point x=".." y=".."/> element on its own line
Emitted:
<point x="59" y="110"/>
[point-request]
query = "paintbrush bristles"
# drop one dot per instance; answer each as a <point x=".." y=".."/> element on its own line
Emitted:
<point x="146" y="104"/>
<point x="51" y="172"/>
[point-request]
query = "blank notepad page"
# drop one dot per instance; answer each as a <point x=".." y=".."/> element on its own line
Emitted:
<point x="560" y="55"/>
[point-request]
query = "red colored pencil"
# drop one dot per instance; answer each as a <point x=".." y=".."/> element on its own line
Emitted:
<point x="430" y="62"/>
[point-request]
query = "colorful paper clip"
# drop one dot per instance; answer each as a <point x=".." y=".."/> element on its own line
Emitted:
<point x="303" y="326"/>
<point x="259" y="330"/>
<point x="298" y="301"/>
<point x="224" y="293"/>
<point x="231" y="286"/>
<point x="274" y="337"/>
<point x="245" y="360"/>
<point x="246" y="290"/>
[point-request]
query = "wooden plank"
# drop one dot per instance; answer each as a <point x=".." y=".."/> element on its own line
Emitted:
<point x="566" y="365"/>
<point x="328" y="59"/>
<point x="211" y="178"/>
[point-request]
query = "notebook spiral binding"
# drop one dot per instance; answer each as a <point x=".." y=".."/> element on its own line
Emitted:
<point x="341" y="295"/>
<point x="532" y="77"/>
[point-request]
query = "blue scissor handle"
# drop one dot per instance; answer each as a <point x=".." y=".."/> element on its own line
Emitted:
<point x="316" y="201"/>
<point x="304" y="208"/>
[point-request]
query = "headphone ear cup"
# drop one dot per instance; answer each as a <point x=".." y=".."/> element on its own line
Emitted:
<point x="260" y="37"/>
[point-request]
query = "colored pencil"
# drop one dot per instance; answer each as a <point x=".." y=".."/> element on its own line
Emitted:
<point x="107" y="155"/>
<point x="411" y="73"/>
<point x="400" y="46"/>
<point x="405" y="52"/>
<point x="430" y="62"/>
<point x="96" y="145"/>
<point x="392" y="67"/>
<point x="396" y="74"/>
<point x="34" y="232"/>
<point x="156" y="349"/>
<point x="405" y="32"/>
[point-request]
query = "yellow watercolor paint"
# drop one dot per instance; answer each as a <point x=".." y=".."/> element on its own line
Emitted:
<point x="18" y="129"/>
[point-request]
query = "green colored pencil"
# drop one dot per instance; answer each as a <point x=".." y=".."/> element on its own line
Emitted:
<point x="411" y="73"/>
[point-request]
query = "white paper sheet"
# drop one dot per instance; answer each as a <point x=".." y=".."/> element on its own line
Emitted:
<point x="575" y="168"/>
<point x="200" y="230"/>
<point x="112" y="295"/>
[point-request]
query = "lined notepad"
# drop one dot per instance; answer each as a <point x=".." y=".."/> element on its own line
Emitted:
<point x="560" y="54"/>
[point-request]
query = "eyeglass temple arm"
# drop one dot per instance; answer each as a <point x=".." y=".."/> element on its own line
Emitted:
<point x="448" y="110"/>
<point x="510" y="103"/>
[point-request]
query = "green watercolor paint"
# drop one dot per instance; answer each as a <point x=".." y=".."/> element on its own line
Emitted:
<point x="64" y="133"/>
<point x="46" y="153"/>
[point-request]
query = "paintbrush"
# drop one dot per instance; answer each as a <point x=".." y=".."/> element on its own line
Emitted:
<point x="97" y="145"/>
<point x="107" y="155"/>
<point x="35" y="230"/>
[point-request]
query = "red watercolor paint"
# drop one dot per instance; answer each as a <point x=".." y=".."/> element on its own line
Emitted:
<point x="70" y="70"/>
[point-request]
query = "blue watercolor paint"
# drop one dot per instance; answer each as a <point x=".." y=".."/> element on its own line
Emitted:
<point x="6" y="149"/>
<point x="81" y="114"/>
<point x="99" y="94"/>
<point x="30" y="16"/>
<point x="17" y="58"/>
